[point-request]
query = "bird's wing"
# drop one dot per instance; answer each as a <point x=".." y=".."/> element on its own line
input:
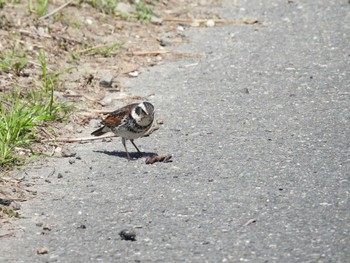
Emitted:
<point x="115" y="118"/>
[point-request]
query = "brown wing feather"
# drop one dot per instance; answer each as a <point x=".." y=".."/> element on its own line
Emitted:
<point x="115" y="118"/>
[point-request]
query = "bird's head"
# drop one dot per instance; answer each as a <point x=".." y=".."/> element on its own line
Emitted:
<point x="143" y="113"/>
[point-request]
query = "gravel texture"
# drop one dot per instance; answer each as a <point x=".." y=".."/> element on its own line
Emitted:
<point x="258" y="130"/>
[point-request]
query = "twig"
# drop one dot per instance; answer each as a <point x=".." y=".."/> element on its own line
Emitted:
<point x="36" y="35"/>
<point x="31" y="34"/>
<point x="152" y="130"/>
<point x="31" y="44"/>
<point x="56" y="10"/>
<point x="68" y="39"/>
<point x="91" y="48"/>
<point x="250" y="221"/>
<point x="217" y="21"/>
<point x="78" y="139"/>
<point x="7" y="235"/>
<point x="158" y="52"/>
<point x="152" y="52"/>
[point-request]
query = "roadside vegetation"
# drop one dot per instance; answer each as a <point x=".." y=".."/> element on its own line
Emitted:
<point x="29" y="107"/>
<point x="23" y="110"/>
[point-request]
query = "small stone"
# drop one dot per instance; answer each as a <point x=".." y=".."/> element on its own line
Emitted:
<point x="134" y="74"/>
<point x="164" y="41"/>
<point x="94" y="123"/>
<point x="58" y="150"/>
<point x="70" y="127"/>
<point x="47" y="181"/>
<point x="107" y="100"/>
<point x="42" y="250"/>
<point x="180" y="28"/>
<point x="82" y="226"/>
<point x="127" y="234"/>
<point x="59" y="176"/>
<point x="71" y="161"/>
<point x="47" y="227"/>
<point x="5" y="202"/>
<point x="107" y="80"/>
<point x="156" y="20"/>
<point x="68" y="152"/>
<point x="106" y="139"/>
<point x="39" y="224"/>
<point x="160" y="121"/>
<point x="125" y="8"/>
<point x="15" y="206"/>
<point x="210" y="23"/>
<point x="41" y="31"/>
<point x="245" y="91"/>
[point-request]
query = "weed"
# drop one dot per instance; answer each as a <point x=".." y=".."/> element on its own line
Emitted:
<point x="11" y="2"/>
<point x="40" y="7"/>
<point x="74" y="56"/>
<point x="10" y="212"/>
<point x="13" y="61"/>
<point x="104" y="6"/>
<point x="16" y="123"/>
<point x="143" y="12"/>
<point x="21" y="112"/>
<point x="106" y="51"/>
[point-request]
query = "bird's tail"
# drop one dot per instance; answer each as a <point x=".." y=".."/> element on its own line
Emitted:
<point x="100" y="131"/>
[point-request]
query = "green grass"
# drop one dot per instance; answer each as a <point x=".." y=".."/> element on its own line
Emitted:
<point x="107" y="50"/>
<point x="143" y="12"/>
<point x="104" y="6"/>
<point x="22" y="111"/>
<point x="10" y="212"/>
<point x="39" y="8"/>
<point x="13" y="61"/>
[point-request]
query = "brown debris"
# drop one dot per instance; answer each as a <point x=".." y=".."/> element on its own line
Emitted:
<point x="159" y="158"/>
<point x="42" y="250"/>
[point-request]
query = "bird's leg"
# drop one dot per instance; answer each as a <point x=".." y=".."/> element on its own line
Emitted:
<point x="126" y="150"/>
<point x="132" y="141"/>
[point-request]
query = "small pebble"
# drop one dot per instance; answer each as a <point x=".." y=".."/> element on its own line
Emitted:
<point x="71" y="161"/>
<point x="5" y="202"/>
<point x="107" y="100"/>
<point x="67" y="152"/>
<point x="94" y="123"/>
<point x="59" y="175"/>
<point x="15" y="206"/>
<point x="47" y="227"/>
<point x="129" y="235"/>
<point x="245" y="90"/>
<point x="107" y="80"/>
<point x="134" y="74"/>
<point x="210" y="23"/>
<point x="42" y="250"/>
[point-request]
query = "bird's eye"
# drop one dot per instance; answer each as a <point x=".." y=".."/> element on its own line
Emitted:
<point x="139" y="111"/>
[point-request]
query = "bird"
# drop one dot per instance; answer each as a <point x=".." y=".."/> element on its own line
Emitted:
<point x="129" y="122"/>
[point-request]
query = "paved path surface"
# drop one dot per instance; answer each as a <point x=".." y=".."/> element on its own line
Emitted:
<point x="259" y="133"/>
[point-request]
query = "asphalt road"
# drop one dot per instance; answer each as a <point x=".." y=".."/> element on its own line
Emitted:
<point x="259" y="132"/>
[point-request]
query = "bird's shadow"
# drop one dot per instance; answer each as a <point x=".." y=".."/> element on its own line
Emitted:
<point x="121" y="154"/>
